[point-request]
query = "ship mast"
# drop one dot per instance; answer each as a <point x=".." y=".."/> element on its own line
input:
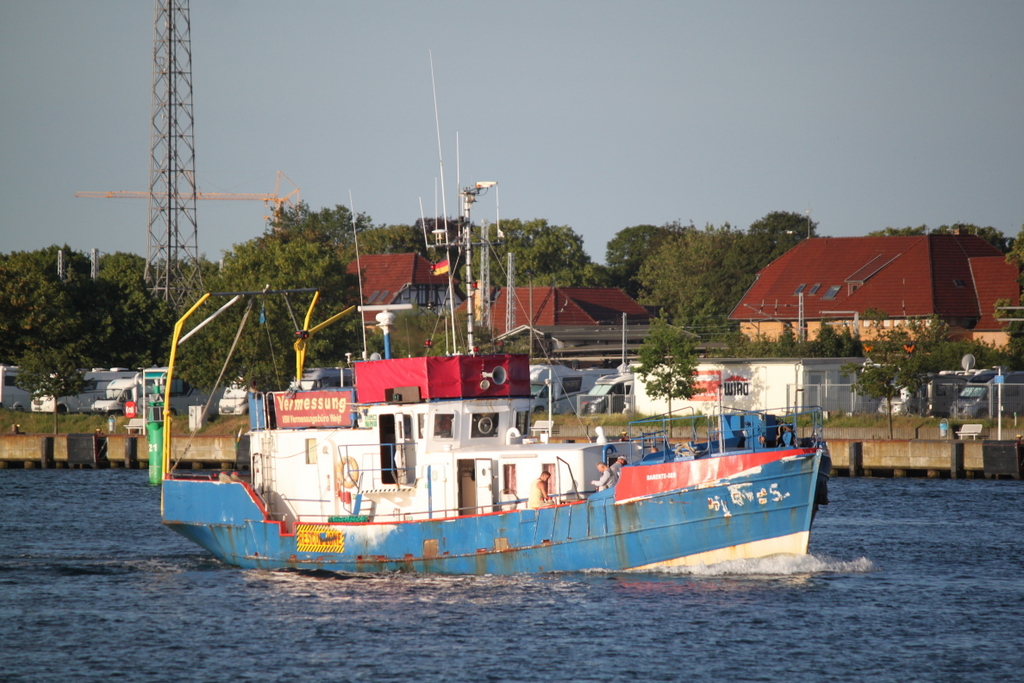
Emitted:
<point x="469" y="195"/>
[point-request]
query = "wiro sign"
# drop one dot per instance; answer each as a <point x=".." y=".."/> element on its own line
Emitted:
<point x="710" y="386"/>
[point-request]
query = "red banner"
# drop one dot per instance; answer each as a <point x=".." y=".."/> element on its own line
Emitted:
<point x="314" y="409"/>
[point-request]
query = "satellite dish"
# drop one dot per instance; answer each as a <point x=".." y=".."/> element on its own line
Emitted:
<point x="967" y="362"/>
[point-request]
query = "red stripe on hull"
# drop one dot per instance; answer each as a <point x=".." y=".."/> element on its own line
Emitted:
<point x="639" y="482"/>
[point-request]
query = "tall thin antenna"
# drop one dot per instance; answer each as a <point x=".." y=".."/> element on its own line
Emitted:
<point x="444" y="203"/>
<point x="423" y="222"/>
<point x="359" y="267"/>
<point x="440" y="159"/>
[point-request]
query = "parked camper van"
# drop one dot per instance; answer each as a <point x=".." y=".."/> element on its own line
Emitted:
<point x="324" y="378"/>
<point x="12" y="397"/>
<point x="564" y="383"/>
<point x="980" y="396"/>
<point x="120" y="392"/>
<point x="610" y="394"/>
<point x="95" y="388"/>
<point x="934" y="398"/>
<point x="235" y="400"/>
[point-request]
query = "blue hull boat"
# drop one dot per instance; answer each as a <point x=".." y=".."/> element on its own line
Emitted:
<point x="425" y="466"/>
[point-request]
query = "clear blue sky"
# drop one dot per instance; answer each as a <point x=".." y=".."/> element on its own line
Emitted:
<point x="597" y="115"/>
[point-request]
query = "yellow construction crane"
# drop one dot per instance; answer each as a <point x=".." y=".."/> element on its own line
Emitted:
<point x="278" y="202"/>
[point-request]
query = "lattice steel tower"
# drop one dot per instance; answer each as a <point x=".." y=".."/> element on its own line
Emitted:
<point x="172" y="252"/>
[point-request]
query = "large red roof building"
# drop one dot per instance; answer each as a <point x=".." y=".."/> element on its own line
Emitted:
<point x="836" y="280"/>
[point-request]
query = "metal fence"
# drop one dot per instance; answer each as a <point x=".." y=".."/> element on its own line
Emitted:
<point x="834" y="398"/>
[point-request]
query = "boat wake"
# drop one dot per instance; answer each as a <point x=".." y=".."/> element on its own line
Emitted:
<point x="777" y="565"/>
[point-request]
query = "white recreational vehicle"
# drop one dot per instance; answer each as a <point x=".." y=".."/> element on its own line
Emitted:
<point x="934" y="398"/>
<point x="96" y="382"/>
<point x="235" y="400"/>
<point x="610" y="394"/>
<point x="12" y="397"/>
<point x="126" y="390"/>
<point x="982" y="395"/>
<point x="559" y="385"/>
<point x="325" y="378"/>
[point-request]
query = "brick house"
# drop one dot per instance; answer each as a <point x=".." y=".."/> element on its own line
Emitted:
<point x="400" y="279"/>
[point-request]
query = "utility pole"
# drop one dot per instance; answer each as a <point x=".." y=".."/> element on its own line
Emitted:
<point x="172" y="251"/>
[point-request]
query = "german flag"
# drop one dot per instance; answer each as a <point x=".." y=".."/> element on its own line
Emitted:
<point x="440" y="268"/>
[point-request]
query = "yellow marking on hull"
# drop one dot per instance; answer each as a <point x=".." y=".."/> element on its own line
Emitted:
<point x="312" y="538"/>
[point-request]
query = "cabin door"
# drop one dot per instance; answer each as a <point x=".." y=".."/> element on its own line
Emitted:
<point x="388" y="444"/>
<point x="476" y="494"/>
<point x="467" y="487"/>
<point x="405" y="450"/>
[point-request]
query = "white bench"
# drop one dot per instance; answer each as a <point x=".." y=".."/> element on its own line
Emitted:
<point x="136" y="425"/>
<point x="971" y="430"/>
<point x="542" y="426"/>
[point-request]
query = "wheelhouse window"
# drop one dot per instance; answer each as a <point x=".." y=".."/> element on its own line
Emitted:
<point x="311" y="451"/>
<point x="523" y="421"/>
<point x="444" y="425"/>
<point x="484" y="425"/>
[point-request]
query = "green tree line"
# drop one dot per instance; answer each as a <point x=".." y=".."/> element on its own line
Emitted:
<point x="693" y="276"/>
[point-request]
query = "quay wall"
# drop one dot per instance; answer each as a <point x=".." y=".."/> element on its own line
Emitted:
<point x="113" y="450"/>
<point x="852" y="454"/>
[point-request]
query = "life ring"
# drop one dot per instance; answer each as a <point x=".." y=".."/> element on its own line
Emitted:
<point x="346" y="472"/>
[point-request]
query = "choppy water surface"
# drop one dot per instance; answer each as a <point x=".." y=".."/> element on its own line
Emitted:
<point x="908" y="580"/>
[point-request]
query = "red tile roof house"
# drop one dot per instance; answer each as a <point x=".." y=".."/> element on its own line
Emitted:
<point x="582" y="323"/>
<point x="956" y="277"/>
<point x="400" y="279"/>
<point x="566" y="306"/>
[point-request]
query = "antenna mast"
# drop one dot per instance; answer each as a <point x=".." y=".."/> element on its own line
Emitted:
<point x="510" y="292"/>
<point x="172" y="252"/>
<point x="469" y="195"/>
